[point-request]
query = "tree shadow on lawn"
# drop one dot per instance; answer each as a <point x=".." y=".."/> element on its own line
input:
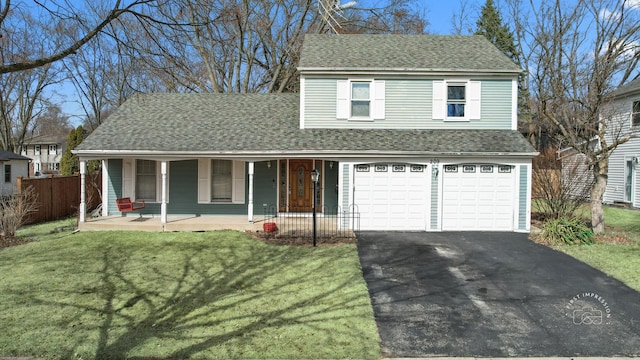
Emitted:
<point x="220" y="302"/>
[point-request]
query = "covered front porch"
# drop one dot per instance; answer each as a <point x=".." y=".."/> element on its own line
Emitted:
<point x="185" y="194"/>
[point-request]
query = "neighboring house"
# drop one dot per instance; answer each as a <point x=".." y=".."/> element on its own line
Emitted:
<point x="413" y="132"/>
<point x="623" y="185"/>
<point x="13" y="166"/>
<point x="45" y="152"/>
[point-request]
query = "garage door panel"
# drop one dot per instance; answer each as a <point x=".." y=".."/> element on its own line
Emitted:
<point x="477" y="201"/>
<point x="394" y="200"/>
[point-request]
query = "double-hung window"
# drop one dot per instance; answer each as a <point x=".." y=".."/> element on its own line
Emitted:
<point x="361" y="99"/>
<point x="456" y="100"/>
<point x="36" y="149"/>
<point x="635" y="113"/>
<point x="7" y="173"/>
<point x="53" y="149"/>
<point x="221" y="180"/>
<point x="146" y="180"/>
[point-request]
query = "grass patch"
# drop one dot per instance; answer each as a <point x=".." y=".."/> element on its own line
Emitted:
<point x="620" y="261"/>
<point x="615" y="252"/>
<point x="207" y="295"/>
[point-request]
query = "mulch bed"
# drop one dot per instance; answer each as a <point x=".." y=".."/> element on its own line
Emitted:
<point x="8" y="242"/>
<point x="292" y="240"/>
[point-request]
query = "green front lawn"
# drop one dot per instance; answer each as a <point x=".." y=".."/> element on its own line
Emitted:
<point x="181" y="295"/>
<point x="617" y="251"/>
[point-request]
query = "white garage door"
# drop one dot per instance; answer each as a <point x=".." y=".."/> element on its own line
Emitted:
<point x="478" y="197"/>
<point x="391" y="196"/>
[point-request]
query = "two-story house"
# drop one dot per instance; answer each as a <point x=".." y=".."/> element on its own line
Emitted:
<point x="624" y="114"/>
<point x="412" y="132"/>
<point x="45" y="152"/>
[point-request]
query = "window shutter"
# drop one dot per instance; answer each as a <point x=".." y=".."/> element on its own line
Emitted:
<point x="474" y="100"/>
<point x="439" y="107"/>
<point x="238" y="182"/>
<point x="342" y="105"/>
<point x="379" y="99"/>
<point x="204" y="181"/>
<point x="127" y="178"/>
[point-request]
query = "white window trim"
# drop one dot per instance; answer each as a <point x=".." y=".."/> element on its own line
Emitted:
<point x="129" y="172"/>
<point x="631" y="117"/>
<point x="238" y="175"/>
<point x="472" y="100"/>
<point x="37" y="149"/>
<point x="377" y="106"/>
<point x="55" y="149"/>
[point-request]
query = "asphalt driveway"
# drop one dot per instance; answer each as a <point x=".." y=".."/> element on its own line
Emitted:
<point x="493" y="295"/>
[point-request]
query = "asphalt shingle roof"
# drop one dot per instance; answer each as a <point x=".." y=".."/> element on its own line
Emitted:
<point x="630" y="87"/>
<point x="8" y="155"/>
<point x="407" y="52"/>
<point x="259" y="123"/>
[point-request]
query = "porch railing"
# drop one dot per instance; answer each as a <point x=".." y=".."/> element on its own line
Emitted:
<point x="331" y="222"/>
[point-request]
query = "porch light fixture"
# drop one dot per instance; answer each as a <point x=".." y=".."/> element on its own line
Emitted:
<point x="269" y="164"/>
<point x="315" y="175"/>
<point x="330" y="164"/>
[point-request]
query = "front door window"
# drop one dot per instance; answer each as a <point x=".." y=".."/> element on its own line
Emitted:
<point x="296" y="179"/>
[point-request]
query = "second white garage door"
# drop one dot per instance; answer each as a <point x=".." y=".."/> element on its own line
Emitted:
<point x="391" y="196"/>
<point x="478" y="197"/>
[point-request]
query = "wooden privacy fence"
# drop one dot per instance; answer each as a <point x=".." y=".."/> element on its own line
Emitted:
<point x="59" y="197"/>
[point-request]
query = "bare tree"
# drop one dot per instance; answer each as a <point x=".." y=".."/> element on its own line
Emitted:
<point x="578" y="54"/>
<point x="248" y="46"/>
<point x="62" y="15"/>
<point x="460" y="23"/>
<point x="23" y="94"/>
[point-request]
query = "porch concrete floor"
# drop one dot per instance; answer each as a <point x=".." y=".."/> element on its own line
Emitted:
<point x="289" y="226"/>
<point x="174" y="223"/>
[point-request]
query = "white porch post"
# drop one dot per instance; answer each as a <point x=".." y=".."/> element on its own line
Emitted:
<point x="83" y="204"/>
<point x="105" y="187"/>
<point x="163" y="205"/>
<point x="250" y="202"/>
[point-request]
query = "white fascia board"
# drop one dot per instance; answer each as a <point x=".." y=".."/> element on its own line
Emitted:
<point x="407" y="71"/>
<point x="292" y="154"/>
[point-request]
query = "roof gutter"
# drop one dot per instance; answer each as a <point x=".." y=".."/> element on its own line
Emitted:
<point x="413" y="71"/>
<point x="266" y="155"/>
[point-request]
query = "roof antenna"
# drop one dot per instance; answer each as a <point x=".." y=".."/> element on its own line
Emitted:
<point x="329" y="9"/>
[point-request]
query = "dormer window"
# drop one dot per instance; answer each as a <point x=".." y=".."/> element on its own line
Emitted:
<point x="635" y="113"/>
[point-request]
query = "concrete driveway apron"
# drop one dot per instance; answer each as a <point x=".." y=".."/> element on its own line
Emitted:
<point x="493" y="295"/>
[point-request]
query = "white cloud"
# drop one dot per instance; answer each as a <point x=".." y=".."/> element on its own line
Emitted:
<point x="634" y="4"/>
<point x="608" y="15"/>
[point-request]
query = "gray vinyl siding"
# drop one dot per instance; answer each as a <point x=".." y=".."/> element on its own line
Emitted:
<point x="620" y="118"/>
<point x="522" y="203"/>
<point x="617" y="173"/>
<point x="496" y="104"/>
<point x="434" y="198"/>
<point x="408" y="105"/>
<point x="330" y="188"/>
<point x="114" y="187"/>
<point x="183" y="190"/>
